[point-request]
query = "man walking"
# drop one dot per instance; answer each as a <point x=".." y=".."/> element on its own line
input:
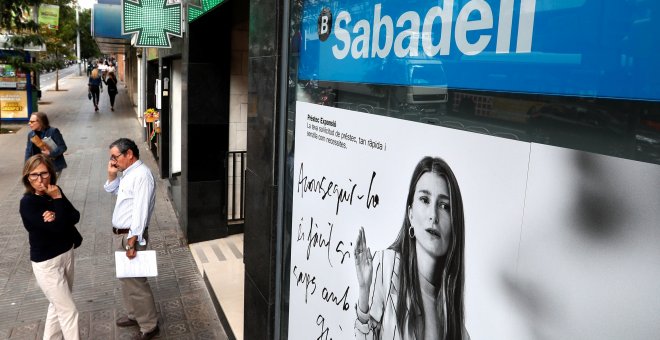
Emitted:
<point x="136" y="194"/>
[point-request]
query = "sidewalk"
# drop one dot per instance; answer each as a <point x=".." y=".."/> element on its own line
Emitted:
<point x="184" y="304"/>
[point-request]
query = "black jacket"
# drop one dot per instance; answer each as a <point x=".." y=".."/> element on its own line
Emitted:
<point x="49" y="239"/>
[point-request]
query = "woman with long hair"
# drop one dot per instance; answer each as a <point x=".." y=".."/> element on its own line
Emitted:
<point x="414" y="288"/>
<point x="95" y="87"/>
<point x="50" y="218"/>
<point x="111" y="83"/>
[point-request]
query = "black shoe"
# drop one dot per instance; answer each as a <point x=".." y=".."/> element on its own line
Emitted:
<point x="148" y="335"/>
<point x="112" y="109"/>
<point x="124" y="321"/>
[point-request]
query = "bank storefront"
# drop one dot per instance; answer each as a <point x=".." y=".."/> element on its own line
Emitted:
<point x="454" y="168"/>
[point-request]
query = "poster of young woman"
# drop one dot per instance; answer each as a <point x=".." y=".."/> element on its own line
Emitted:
<point x="403" y="230"/>
<point x="394" y="218"/>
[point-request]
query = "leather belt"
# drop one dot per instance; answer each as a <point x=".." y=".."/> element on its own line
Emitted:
<point x="119" y="231"/>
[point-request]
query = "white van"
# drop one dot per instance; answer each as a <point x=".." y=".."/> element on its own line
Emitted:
<point x="427" y="89"/>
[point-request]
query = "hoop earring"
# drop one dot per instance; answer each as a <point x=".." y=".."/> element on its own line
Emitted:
<point x="411" y="233"/>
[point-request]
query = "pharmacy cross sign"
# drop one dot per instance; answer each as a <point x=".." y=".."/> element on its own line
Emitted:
<point x="153" y="21"/>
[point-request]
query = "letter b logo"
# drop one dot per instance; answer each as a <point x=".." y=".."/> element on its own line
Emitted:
<point x="324" y="24"/>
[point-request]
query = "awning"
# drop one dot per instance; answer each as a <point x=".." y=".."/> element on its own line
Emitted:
<point x="106" y="28"/>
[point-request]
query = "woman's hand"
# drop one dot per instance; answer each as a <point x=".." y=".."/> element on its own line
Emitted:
<point x="363" y="267"/>
<point x="53" y="191"/>
<point x="49" y="216"/>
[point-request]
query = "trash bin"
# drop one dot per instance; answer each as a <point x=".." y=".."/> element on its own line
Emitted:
<point x="36" y="95"/>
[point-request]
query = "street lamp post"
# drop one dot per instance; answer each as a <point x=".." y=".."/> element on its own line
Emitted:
<point x="78" y="41"/>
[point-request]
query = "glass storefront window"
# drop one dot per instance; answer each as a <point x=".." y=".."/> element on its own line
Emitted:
<point x="578" y="95"/>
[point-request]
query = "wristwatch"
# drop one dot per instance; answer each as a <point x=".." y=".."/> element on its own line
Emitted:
<point x="129" y="247"/>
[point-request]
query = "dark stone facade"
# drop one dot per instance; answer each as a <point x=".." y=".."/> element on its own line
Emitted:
<point x="261" y="218"/>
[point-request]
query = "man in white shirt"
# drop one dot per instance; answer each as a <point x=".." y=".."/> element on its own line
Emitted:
<point x="135" y="190"/>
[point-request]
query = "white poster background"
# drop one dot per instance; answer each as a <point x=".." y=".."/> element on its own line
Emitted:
<point x="491" y="173"/>
<point x="589" y="263"/>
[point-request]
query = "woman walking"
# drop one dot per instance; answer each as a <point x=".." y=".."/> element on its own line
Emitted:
<point x="50" y="220"/>
<point x="40" y="132"/>
<point x="111" y="83"/>
<point x="95" y="86"/>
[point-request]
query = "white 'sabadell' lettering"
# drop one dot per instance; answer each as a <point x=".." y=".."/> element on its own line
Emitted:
<point x="366" y="43"/>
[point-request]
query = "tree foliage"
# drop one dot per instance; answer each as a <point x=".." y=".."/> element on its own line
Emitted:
<point x="18" y="19"/>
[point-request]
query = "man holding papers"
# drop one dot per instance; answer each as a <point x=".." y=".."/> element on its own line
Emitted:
<point x="135" y="190"/>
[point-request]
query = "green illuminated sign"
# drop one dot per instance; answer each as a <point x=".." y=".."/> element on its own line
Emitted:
<point x="152" y="20"/>
<point x="198" y="7"/>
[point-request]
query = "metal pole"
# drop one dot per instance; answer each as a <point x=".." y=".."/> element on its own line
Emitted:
<point x="280" y="144"/>
<point x="78" y="42"/>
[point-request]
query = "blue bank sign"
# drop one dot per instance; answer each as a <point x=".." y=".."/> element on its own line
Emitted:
<point x="602" y="48"/>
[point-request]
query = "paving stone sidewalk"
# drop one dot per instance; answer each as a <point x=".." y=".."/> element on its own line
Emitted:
<point x="184" y="304"/>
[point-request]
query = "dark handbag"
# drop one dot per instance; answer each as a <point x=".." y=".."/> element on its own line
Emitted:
<point x="89" y="95"/>
<point x="77" y="238"/>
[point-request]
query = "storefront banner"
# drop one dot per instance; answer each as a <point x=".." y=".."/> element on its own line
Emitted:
<point x="13" y="104"/>
<point x="574" y="47"/>
<point x="352" y="172"/>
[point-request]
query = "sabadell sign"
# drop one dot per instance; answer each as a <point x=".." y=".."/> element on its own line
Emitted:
<point x="567" y="47"/>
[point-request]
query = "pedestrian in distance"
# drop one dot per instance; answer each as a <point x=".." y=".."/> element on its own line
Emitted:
<point x="111" y="84"/>
<point x="46" y="140"/>
<point x="104" y="69"/>
<point x="95" y="87"/>
<point x="111" y="67"/>
<point x="50" y="220"/>
<point x="135" y="190"/>
<point x="413" y="290"/>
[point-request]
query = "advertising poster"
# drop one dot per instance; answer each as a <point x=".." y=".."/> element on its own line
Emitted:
<point x="352" y="196"/>
<point x="13" y="104"/>
<point x="557" y="243"/>
<point x="10" y="78"/>
<point x="49" y="16"/>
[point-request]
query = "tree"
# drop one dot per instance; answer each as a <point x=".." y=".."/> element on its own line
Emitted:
<point x="17" y="17"/>
<point x="59" y="42"/>
<point x="88" y="47"/>
<point x="17" y="21"/>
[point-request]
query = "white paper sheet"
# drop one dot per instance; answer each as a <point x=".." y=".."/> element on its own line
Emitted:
<point x="142" y="265"/>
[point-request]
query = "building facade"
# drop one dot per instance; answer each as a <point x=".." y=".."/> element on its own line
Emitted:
<point x="440" y="168"/>
<point x="523" y="100"/>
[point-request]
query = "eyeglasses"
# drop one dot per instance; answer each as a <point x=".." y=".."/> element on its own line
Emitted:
<point x="35" y="175"/>
<point x="114" y="158"/>
<point x="32" y="121"/>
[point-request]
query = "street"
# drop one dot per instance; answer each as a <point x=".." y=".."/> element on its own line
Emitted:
<point x="183" y="301"/>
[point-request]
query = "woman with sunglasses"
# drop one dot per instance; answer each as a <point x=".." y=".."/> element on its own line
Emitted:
<point x="50" y="220"/>
<point x="40" y="127"/>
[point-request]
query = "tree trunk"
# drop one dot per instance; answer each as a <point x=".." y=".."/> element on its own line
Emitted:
<point x="57" y="71"/>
